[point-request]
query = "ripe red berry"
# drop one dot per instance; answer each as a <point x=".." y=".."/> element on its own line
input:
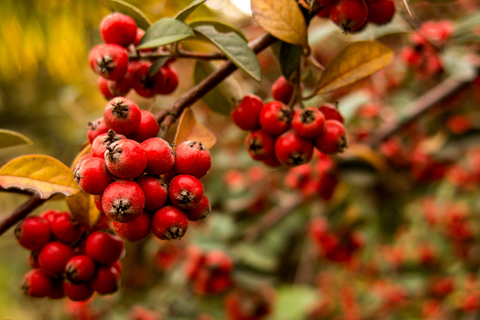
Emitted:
<point x="275" y="117"/>
<point x="272" y="162"/>
<point x="325" y="12"/>
<point x="37" y="284"/>
<point x="98" y="203"/>
<point x="155" y="190"/>
<point x="134" y="230"/>
<point x="49" y="215"/>
<point x="65" y="228"/>
<point x="293" y="150"/>
<point x="33" y="259"/>
<point x="109" y="61"/>
<point x="106" y="281"/>
<point x="160" y="158"/>
<point x="33" y="233"/>
<point x="201" y="210"/>
<point x="101" y="142"/>
<point x="117" y="265"/>
<point x="260" y="145"/>
<point x="185" y="191"/>
<point x="309" y="122"/>
<point x="123" y="200"/>
<point x="169" y="223"/>
<point x="381" y="11"/>
<point x="349" y="15"/>
<point x="122" y="115"/>
<point x="116" y="88"/>
<point x="80" y="268"/>
<point x="125" y="159"/>
<point x="92" y="175"/>
<point x="282" y="90"/>
<point x="139" y="36"/>
<point x="104" y="248"/>
<point x="169" y="80"/>
<point x="148" y="127"/>
<point x="104" y="88"/>
<point x="96" y="128"/>
<point x="119" y="29"/>
<point x="330" y="112"/>
<point x="193" y="158"/>
<point x="246" y="114"/>
<point x="334" y="138"/>
<point x="54" y="257"/>
<point x="57" y="289"/>
<point x="145" y="85"/>
<point x="77" y="292"/>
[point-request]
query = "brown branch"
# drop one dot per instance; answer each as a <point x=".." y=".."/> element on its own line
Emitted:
<point x="21" y="212"/>
<point x="418" y="108"/>
<point x="180" y="54"/>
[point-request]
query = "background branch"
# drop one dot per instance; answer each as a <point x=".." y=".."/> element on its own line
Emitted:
<point x="21" y="212"/>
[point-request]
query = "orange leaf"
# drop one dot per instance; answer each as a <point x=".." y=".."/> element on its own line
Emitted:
<point x="190" y="129"/>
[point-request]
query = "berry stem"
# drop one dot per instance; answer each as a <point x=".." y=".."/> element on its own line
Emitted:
<point x="21" y="212"/>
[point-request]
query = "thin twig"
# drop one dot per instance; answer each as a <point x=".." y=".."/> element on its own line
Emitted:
<point x="21" y="212"/>
<point x="179" y="54"/>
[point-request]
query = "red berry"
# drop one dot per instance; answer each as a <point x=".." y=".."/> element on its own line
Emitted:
<point x="282" y="90"/>
<point x="80" y="268"/>
<point x="103" y="86"/>
<point x="275" y="117"/>
<point x="148" y="127"/>
<point x="134" y="230"/>
<point x="123" y="200"/>
<point x="115" y="88"/>
<point x="98" y="203"/>
<point x="155" y="190"/>
<point x="381" y="11"/>
<point x="65" y="228"/>
<point x="201" y="211"/>
<point x="104" y="248"/>
<point x="325" y="12"/>
<point x="169" y="80"/>
<point x="33" y="259"/>
<point x="77" y="292"/>
<point x="145" y="85"/>
<point x="125" y="159"/>
<point x="139" y="36"/>
<point x="334" y="138"/>
<point x="349" y="15"/>
<point x="119" y="29"/>
<point x="37" y="284"/>
<point x="122" y="115"/>
<point x="117" y="265"/>
<point x="57" y="289"/>
<point x="160" y="158"/>
<point x="95" y="128"/>
<point x="49" y="215"/>
<point x="260" y="145"/>
<point x="101" y="142"/>
<point x="54" y="257"/>
<point x="293" y="150"/>
<point x="218" y="260"/>
<point x="193" y="158"/>
<point x="330" y="112"/>
<point x="109" y="61"/>
<point x="185" y="191"/>
<point x="33" y="233"/>
<point x="246" y="114"/>
<point x="309" y="122"/>
<point x="92" y="175"/>
<point x="106" y="281"/>
<point x="272" y="162"/>
<point x="169" y="223"/>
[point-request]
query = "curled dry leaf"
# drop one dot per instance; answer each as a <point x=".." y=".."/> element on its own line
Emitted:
<point x="189" y="129"/>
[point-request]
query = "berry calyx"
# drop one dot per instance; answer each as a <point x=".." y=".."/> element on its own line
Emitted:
<point x="122" y="115"/>
<point x="102" y="141"/>
<point x="123" y="200"/>
<point x="309" y="122"/>
<point x="80" y="268"/>
<point x="92" y="175"/>
<point x="201" y="210"/>
<point x="37" y="284"/>
<point x="169" y="223"/>
<point x="96" y="128"/>
<point x="185" y="191"/>
<point x="109" y="61"/>
<point x="192" y="157"/>
<point x="260" y="145"/>
<point x="169" y="80"/>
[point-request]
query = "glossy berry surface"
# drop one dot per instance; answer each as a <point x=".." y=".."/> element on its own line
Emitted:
<point x="282" y="90"/>
<point x="125" y="159"/>
<point x="168" y="82"/>
<point x="122" y="115"/>
<point x="148" y="127"/>
<point x="96" y="128"/>
<point x="119" y="29"/>
<point x="275" y="117"/>
<point x="80" y="268"/>
<point x="293" y="150"/>
<point x="77" y="292"/>
<point x="169" y="223"/>
<point x="92" y="175"/>
<point x="54" y="257"/>
<point x="37" y="284"/>
<point x="134" y="230"/>
<point x="109" y="61"/>
<point x="380" y="12"/>
<point x="185" y="191"/>
<point x="334" y="138"/>
<point x="349" y="15"/>
<point x="192" y="157"/>
<point x="155" y="190"/>
<point x="104" y="248"/>
<point x="123" y="200"/>
<point x="160" y="157"/>
<point x="201" y="210"/>
<point x="106" y="281"/>
<point x="309" y="122"/>
<point x="260" y="145"/>
<point x="330" y="112"/>
<point x="33" y="233"/>
<point x="65" y="228"/>
<point x="246" y="114"/>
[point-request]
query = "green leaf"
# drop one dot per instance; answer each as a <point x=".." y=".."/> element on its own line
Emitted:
<point x="294" y="302"/>
<point x="182" y="15"/>
<point x="356" y="61"/>
<point x="282" y="19"/>
<point x="235" y="48"/>
<point x="11" y="138"/>
<point x="222" y="98"/>
<point x="219" y="26"/>
<point x="288" y="56"/>
<point x="132" y="11"/>
<point x="165" y="31"/>
<point x="156" y="66"/>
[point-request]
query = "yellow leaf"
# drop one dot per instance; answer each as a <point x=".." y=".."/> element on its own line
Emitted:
<point x="282" y="19"/>
<point x="190" y="129"/>
<point x="363" y="152"/>
<point x="356" y="61"/>
<point x="83" y="208"/>
<point x="11" y="138"/>
<point x="45" y="174"/>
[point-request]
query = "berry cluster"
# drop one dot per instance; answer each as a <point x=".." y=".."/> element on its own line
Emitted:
<point x="64" y="262"/>
<point x="354" y="15"/>
<point x="210" y="272"/>
<point x="118" y="75"/>
<point x="282" y="136"/>
<point x="124" y="168"/>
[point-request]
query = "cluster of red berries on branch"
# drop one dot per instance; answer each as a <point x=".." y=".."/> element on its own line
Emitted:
<point x="281" y="135"/>
<point x="67" y="261"/>
<point x="138" y="181"/>
<point x="354" y="15"/>
<point x="118" y="74"/>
